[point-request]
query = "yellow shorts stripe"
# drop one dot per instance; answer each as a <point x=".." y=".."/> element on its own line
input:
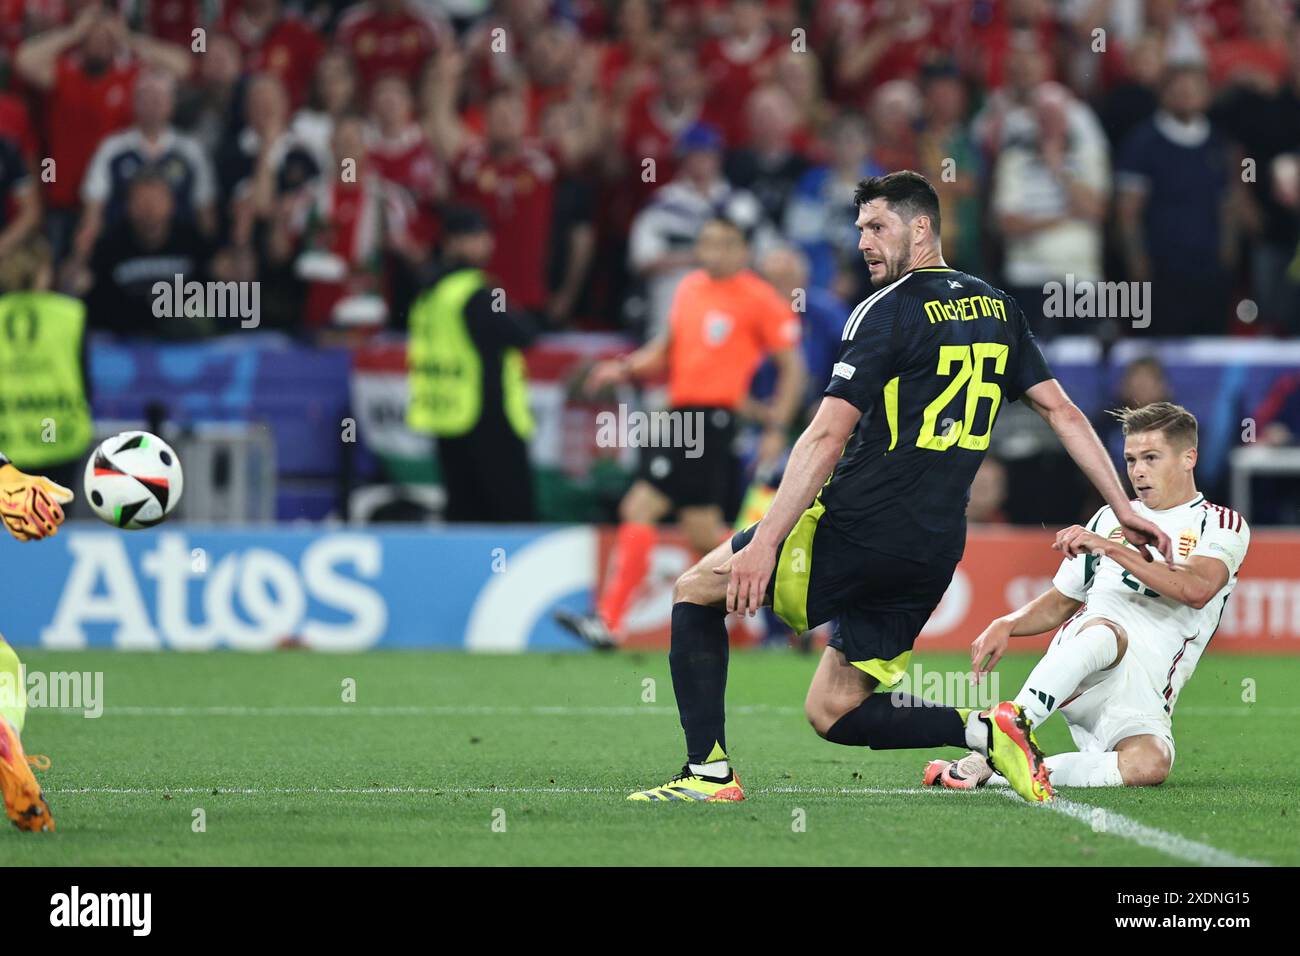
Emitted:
<point x="794" y="570"/>
<point x="888" y="672"/>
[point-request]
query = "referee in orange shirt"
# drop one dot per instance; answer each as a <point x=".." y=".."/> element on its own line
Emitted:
<point x="724" y="321"/>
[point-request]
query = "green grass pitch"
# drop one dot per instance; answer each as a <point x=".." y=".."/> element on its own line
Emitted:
<point x="448" y="758"/>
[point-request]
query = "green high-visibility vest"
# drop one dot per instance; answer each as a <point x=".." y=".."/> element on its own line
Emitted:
<point x="445" y="372"/>
<point x="44" y="416"/>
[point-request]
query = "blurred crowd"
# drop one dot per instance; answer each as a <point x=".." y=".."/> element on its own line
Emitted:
<point x="313" y="146"/>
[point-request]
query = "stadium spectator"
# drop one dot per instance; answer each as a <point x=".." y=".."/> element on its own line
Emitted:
<point x="1257" y="55"/>
<point x="1136" y="96"/>
<point x="629" y="63"/>
<point x="334" y="94"/>
<point x="20" y="203"/>
<point x="340" y="232"/>
<point x="1049" y="198"/>
<point x="737" y="62"/>
<point x="504" y="173"/>
<point x="275" y="42"/>
<point x="264" y="163"/>
<point x="389" y="37"/>
<point x="821" y="213"/>
<point x="400" y="152"/>
<point x="87" y="72"/>
<point x="1175" y="179"/>
<point x="572" y="242"/>
<point x="661" y="247"/>
<point x="481" y="421"/>
<point x="822" y="316"/>
<point x="152" y="142"/>
<point x="872" y="43"/>
<point x="949" y="158"/>
<point x="1264" y="124"/>
<point x="150" y="244"/>
<point x="799" y="75"/>
<point x="769" y="165"/>
<point x="895" y="110"/>
<point x="988" y="494"/>
<point x="207" y="107"/>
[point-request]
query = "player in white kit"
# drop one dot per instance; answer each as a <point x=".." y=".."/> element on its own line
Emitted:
<point x="1131" y="628"/>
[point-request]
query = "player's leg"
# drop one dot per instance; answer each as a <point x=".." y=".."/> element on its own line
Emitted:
<point x="846" y="704"/>
<point x="23" y="800"/>
<point x="698" y="660"/>
<point x="1078" y="656"/>
<point x="642" y="507"/>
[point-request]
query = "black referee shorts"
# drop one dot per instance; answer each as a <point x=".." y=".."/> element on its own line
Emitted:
<point x="701" y="472"/>
<point x="878" y="602"/>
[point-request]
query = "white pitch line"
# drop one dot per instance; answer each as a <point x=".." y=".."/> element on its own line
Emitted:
<point x="1110" y="822"/>
<point x="488" y="710"/>
<point x="1099" y="819"/>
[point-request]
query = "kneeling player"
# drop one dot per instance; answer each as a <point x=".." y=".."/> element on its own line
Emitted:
<point x="29" y="508"/>
<point x="1131" y="631"/>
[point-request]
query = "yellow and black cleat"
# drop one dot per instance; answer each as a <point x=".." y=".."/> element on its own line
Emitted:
<point x="690" y="786"/>
<point x="1015" y="753"/>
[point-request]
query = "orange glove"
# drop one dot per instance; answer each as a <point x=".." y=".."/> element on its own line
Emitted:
<point x="29" y="504"/>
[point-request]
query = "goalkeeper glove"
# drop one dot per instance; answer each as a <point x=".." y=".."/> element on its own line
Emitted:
<point x="30" y="504"/>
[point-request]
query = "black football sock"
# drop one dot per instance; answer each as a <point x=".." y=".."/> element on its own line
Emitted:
<point x="888" y="721"/>
<point x="698" y="661"/>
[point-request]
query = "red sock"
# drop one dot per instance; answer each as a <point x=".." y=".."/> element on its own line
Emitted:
<point x="631" y="560"/>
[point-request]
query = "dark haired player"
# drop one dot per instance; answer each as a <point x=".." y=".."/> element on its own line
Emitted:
<point x="29" y="510"/>
<point x="869" y="521"/>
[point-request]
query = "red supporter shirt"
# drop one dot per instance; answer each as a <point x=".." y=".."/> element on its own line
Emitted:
<point x="289" y="49"/>
<point x="516" y="195"/>
<point x="402" y="43"/>
<point x="82" y="110"/>
<point x="733" y="72"/>
<point x="409" y="161"/>
<point x="175" y="20"/>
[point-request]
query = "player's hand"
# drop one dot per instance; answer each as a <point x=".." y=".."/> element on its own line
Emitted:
<point x="750" y="569"/>
<point x="987" y="649"/>
<point x="1076" y="540"/>
<point x="1140" y="532"/>
<point x="30" y="505"/>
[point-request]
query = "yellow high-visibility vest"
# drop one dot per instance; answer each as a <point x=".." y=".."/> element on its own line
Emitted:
<point x="44" y="416"/>
<point x="445" y="372"/>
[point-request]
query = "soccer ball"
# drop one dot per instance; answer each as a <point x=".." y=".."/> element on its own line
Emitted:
<point x="133" y="480"/>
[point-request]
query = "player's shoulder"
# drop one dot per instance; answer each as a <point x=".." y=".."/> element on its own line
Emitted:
<point x="876" y="310"/>
<point x="1223" y="518"/>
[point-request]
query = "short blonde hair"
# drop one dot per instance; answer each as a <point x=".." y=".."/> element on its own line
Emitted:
<point x="1176" y="423"/>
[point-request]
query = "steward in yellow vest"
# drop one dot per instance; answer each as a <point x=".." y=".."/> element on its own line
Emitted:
<point x="45" y="420"/>
<point x="467" y="380"/>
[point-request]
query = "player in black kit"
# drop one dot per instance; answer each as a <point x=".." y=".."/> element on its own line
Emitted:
<point x="925" y="363"/>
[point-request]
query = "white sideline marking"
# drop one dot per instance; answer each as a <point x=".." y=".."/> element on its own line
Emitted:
<point x="1099" y="819"/>
<point x="1116" y="824"/>
<point x="488" y="710"/>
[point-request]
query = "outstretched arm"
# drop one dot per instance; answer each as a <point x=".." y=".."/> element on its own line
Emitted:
<point x="1049" y="610"/>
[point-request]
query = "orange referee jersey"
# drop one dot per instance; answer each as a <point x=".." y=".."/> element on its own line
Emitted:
<point x="720" y="330"/>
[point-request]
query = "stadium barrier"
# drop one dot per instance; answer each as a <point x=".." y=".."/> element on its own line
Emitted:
<point x="183" y="587"/>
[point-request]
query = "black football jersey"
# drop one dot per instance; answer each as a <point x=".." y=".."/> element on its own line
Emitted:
<point x="929" y="360"/>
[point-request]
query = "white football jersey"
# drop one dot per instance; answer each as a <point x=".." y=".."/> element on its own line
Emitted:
<point x="1166" y="637"/>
